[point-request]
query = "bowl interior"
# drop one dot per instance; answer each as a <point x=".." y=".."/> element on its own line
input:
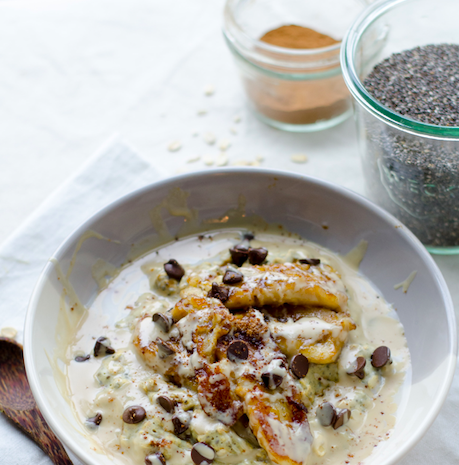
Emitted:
<point x="302" y="205"/>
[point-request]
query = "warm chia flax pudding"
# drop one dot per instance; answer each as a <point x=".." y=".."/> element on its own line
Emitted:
<point x="235" y="349"/>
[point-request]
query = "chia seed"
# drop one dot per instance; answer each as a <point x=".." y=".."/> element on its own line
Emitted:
<point x="416" y="178"/>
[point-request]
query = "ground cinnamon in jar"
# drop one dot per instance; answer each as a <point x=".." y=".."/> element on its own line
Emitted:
<point x="306" y="96"/>
<point x="297" y="37"/>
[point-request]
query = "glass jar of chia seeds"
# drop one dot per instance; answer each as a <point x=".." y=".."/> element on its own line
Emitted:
<point x="411" y="166"/>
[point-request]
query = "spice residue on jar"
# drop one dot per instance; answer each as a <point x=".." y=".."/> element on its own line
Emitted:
<point x="311" y="93"/>
<point x="416" y="178"/>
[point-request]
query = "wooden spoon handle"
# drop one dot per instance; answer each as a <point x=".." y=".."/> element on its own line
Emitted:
<point x="34" y="425"/>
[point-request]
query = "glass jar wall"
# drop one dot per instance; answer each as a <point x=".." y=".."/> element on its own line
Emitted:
<point x="411" y="168"/>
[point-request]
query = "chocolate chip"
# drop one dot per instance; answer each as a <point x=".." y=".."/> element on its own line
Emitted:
<point x="164" y="349"/>
<point x="232" y="277"/>
<point x="299" y="366"/>
<point x="237" y="350"/>
<point x="134" y="414"/>
<point x="244" y="419"/>
<point x="326" y="414"/>
<point x="201" y="453"/>
<point x="242" y="429"/>
<point x="102" y="347"/>
<point x="166" y="403"/>
<point x="271" y="380"/>
<point x="357" y="368"/>
<point x="219" y="292"/>
<point x="310" y="261"/>
<point x="95" y="421"/>
<point x="174" y="270"/>
<point x="239" y="254"/>
<point x="381" y="357"/>
<point x="164" y="321"/>
<point x="180" y="426"/>
<point x="249" y="237"/>
<point x="257" y="256"/>
<point x="341" y="418"/>
<point x="155" y="459"/>
<point x="82" y="358"/>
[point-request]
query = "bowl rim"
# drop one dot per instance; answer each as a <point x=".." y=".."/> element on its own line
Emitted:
<point x="422" y="427"/>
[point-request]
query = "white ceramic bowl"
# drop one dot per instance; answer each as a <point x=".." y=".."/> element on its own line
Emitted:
<point x="302" y="205"/>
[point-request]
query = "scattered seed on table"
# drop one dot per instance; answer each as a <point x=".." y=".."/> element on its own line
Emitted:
<point x="299" y="158"/>
<point x="174" y="146"/>
<point x="209" y="90"/>
<point x="209" y="138"/>
<point x="241" y="163"/>
<point x="224" y="144"/>
<point x="8" y="332"/>
<point x="222" y="159"/>
<point x="208" y="160"/>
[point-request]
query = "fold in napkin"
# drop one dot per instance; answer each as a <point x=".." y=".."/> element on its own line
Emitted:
<point x="112" y="172"/>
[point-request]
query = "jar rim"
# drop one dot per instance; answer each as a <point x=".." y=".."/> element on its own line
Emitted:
<point x="348" y="51"/>
<point x="229" y="19"/>
<point x="268" y="55"/>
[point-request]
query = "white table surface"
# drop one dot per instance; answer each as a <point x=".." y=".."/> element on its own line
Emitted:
<point x="73" y="72"/>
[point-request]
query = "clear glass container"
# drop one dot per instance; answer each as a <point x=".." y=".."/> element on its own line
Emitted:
<point x="296" y="90"/>
<point x="411" y="168"/>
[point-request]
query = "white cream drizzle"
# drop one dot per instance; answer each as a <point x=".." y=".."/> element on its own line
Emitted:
<point x="307" y="329"/>
<point x="295" y="441"/>
<point x="405" y="285"/>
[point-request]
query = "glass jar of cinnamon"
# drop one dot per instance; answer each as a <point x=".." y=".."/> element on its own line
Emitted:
<point x="288" y="55"/>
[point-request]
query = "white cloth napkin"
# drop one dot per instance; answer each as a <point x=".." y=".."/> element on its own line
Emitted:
<point x="112" y="172"/>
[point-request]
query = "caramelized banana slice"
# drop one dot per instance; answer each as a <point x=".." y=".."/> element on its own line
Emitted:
<point x="289" y="283"/>
<point x="280" y="424"/>
<point x="216" y="395"/>
<point x="192" y="304"/>
<point x="278" y="284"/>
<point x="317" y="333"/>
<point x="159" y="352"/>
<point x="201" y="322"/>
